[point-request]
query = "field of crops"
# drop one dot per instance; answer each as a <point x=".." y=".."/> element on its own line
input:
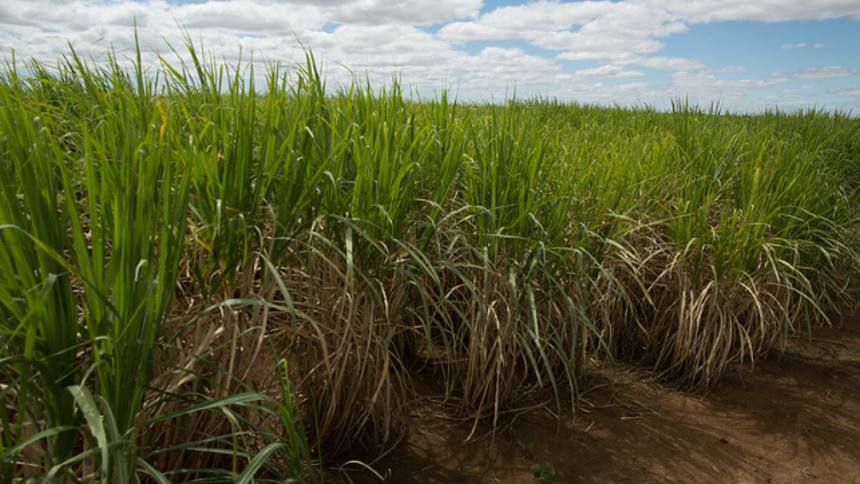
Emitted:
<point x="204" y="278"/>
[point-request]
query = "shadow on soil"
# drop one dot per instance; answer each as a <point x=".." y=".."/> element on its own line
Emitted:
<point x="794" y="418"/>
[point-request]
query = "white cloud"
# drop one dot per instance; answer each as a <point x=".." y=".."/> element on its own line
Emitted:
<point x="828" y="72"/>
<point x="526" y="20"/>
<point x="693" y="82"/>
<point x="609" y="70"/>
<point x="849" y="92"/>
<point x="586" y="30"/>
<point x="610" y="31"/>
<point x="421" y="12"/>
<point x="803" y="45"/>
<point x="702" y="11"/>
<point x="427" y="42"/>
<point x="651" y="62"/>
<point x="632" y="87"/>
<point x="703" y="87"/>
<point x="666" y="63"/>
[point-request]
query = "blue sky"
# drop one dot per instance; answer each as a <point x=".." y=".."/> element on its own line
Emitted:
<point x="745" y="54"/>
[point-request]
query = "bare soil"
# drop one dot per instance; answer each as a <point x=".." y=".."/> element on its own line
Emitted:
<point x="794" y="417"/>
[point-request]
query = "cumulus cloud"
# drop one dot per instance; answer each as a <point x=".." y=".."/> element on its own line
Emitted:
<point x="375" y="36"/>
<point x="581" y="50"/>
<point x="586" y="30"/>
<point x="604" y="30"/>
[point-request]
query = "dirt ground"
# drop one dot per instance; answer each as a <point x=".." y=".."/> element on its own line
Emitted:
<point x="794" y="418"/>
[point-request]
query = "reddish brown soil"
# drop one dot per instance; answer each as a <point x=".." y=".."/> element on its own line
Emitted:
<point x="794" y="418"/>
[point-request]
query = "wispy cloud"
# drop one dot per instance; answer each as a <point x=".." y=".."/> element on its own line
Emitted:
<point x="803" y="45"/>
<point x="828" y="72"/>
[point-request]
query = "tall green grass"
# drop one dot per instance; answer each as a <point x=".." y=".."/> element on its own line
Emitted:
<point x="210" y="277"/>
